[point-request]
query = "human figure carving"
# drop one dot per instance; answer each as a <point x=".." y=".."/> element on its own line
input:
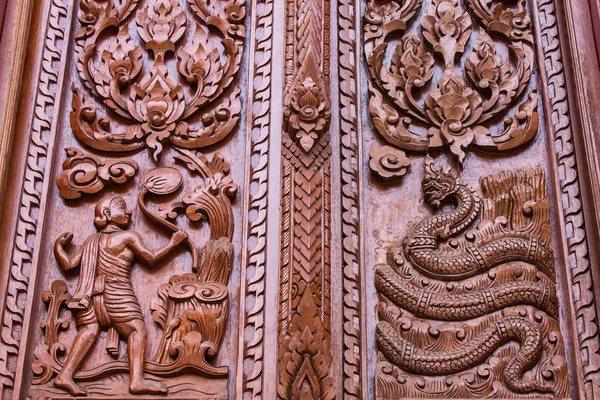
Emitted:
<point x="104" y="297"/>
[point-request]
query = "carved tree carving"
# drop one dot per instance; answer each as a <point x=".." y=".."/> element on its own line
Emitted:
<point x="153" y="105"/>
<point x="414" y="110"/>
<point x="475" y="308"/>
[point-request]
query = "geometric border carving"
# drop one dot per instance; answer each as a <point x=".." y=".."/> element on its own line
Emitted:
<point x="573" y="221"/>
<point x="351" y="161"/>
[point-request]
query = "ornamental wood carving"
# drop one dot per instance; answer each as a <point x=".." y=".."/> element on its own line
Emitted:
<point x="416" y="112"/>
<point x="469" y="296"/>
<point x="203" y="200"/>
<point x="455" y="297"/>
<point x="153" y="105"/>
<point x="191" y="309"/>
<point x="304" y="355"/>
<point x="88" y="174"/>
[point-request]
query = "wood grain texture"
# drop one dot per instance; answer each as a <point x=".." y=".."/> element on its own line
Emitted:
<point x="14" y="34"/>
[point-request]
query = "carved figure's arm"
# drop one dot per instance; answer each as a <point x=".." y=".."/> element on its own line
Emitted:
<point x="65" y="262"/>
<point x="149" y="257"/>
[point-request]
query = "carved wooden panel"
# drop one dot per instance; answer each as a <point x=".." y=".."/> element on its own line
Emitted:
<point x="304" y="199"/>
<point x="160" y="75"/>
<point x="460" y="79"/>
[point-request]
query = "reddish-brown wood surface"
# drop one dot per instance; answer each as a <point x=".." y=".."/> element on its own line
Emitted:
<point x="299" y="199"/>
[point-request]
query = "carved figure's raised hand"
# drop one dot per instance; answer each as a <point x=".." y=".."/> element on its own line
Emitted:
<point x="179" y="237"/>
<point x="64" y="240"/>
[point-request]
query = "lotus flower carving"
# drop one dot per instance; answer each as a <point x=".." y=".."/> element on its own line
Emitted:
<point x="415" y="110"/>
<point x="155" y="107"/>
<point x="308" y="115"/>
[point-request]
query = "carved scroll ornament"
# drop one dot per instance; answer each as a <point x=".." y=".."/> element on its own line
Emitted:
<point x="154" y="106"/>
<point x="476" y="308"/>
<point x="415" y="110"/>
<point x="88" y="174"/>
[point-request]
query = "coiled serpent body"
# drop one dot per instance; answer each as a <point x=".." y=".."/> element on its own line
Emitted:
<point x="474" y="352"/>
<point x="526" y="241"/>
<point x="420" y="246"/>
<point x="458" y="307"/>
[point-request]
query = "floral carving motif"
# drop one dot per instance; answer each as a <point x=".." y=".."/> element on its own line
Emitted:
<point x="415" y="112"/>
<point x="308" y="115"/>
<point x="155" y="107"/>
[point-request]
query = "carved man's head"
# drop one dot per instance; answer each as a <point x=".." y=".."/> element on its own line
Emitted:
<point x="111" y="209"/>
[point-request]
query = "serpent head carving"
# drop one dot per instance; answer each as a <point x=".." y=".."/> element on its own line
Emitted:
<point x="437" y="184"/>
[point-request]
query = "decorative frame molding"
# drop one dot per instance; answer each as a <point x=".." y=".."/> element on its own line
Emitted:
<point x="353" y="307"/>
<point x="34" y="190"/>
<point x="14" y="32"/>
<point x="254" y="248"/>
<point x="571" y="213"/>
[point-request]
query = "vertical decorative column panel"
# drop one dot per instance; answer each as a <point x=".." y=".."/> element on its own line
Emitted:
<point x="304" y="348"/>
<point x="572" y="217"/>
<point x="253" y="276"/>
<point x="31" y="195"/>
<point x="351" y="177"/>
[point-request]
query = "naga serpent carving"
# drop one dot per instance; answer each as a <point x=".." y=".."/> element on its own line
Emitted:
<point x="458" y="307"/>
<point x="420" y="246"/>
<point x="472" y="353"/>
<point x="514" y="227"/>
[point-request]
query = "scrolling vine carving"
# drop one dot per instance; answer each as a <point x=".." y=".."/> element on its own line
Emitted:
<point x="451" y="305"/>
<point x="416" y="111"/>
<point x="254" y="257"/>
<point x="154" y="105"/>
<point x="304" y="298"/>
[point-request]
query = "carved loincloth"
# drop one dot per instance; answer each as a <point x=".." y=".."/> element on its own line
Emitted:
<point x="113" y="298"/>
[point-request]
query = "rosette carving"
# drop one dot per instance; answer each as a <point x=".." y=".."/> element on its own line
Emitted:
<point x="154" y="106"/>
<point x="416" y="111"/>
<point x="308" y="114"/>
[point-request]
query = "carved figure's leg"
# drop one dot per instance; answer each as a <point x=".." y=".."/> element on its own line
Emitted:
<point x="85" y="339"/>
<point x="135" y="332"/>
